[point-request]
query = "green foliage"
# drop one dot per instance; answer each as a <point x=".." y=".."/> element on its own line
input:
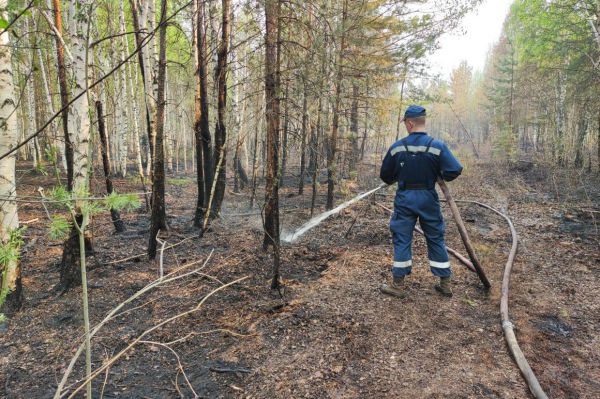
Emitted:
<point x="180" y="182"/>
<point x="59" y="228"/>
<point x="91" y="208"/>
<point x="41" y="169"/>
<point x="539" y="76"/>
<point x="52" y="154"/>
<point x="505" y="146"/>
<point x="127" y="202"/>
<point x="9" y="250"/>
<point x="60" y="194"/>
<point x="9" y="254"/>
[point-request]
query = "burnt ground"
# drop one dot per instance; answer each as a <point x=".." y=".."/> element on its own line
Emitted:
<point x="329" y="333"/>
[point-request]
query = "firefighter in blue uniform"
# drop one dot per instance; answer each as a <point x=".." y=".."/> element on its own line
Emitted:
<point x="415" y="163"/>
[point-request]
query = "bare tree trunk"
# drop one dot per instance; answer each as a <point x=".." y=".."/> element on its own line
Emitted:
<point x="159" y="216"/>
<point x="303" y="134"/>
<point x="44" y="73"/>
<point x="204" y="172"/>
<point x="285" y="132"/>
<point x="149" y="101"/>
<point x="64" y="93"/>
<point x="582" y="127"/>
<point x="353" y="159"/>
<point x="315" y="152"/>
<point x="255" y="158"/>
<point x="79" y="128"/>
<point x="221" y="130"/>
<point x="271" y="226"/>
<point x="364" y="139"/>
<point x="168" y="131"/>
<point x="123" y="121"/>
<point x="133" y="109"/>
<point x="400" y="107"/>
<point x="331" y="167"/>
<point x="11" y="287"/>
<point x="114" y="214"/>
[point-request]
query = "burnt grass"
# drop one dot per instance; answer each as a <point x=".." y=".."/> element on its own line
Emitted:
<point x="328" y="333"/>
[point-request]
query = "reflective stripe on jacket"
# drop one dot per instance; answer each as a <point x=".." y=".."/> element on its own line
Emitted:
<point x="433" y="157"/>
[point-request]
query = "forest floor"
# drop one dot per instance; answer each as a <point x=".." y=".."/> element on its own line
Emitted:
<point x="329" y="333"/>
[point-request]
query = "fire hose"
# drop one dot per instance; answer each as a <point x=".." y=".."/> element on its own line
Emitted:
<point x="473" y="265"/>
<point x="507" y="325"/>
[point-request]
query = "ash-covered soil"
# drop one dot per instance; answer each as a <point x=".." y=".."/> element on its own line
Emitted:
<point x="329" y="333"/>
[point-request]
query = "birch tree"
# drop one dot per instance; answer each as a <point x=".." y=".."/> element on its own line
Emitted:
<point x="123" y="125"/>
<point x="9" y="218"/>
<point x="80" y="12"/>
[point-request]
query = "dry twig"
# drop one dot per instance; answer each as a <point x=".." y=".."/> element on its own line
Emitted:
<point x="99" y="370"/>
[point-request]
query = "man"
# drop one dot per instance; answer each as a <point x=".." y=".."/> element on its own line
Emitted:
<point x="415" y="163"/>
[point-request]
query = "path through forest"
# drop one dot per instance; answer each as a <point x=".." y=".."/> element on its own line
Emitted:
<point x="332" y="334"/>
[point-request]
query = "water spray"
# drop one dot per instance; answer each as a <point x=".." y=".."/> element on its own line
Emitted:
<point x="315" y="221"/>
<point x="292" y="237"/>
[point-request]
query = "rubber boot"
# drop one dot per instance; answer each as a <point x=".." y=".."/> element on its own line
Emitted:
<point x="395" y="289"/>
<point x="444" y="287"/>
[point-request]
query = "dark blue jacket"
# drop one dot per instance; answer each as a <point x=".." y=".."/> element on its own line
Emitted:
<point x="434" y="159"/>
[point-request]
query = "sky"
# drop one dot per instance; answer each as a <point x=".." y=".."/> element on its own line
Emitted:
<point x="479" y="30"/>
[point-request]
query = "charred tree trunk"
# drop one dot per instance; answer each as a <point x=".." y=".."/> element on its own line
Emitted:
<point x="315" y="156"/>
<point x="272" y="10"/>
<point x="364" y="139"/>
<point x="204" y="173"/>
<point x="353" y="159"/>
<point x="64" y="93"/>
<point x="303" y="144"/>
<point x="254" y="163"/>
<point x="285" y="133"/>
<point x="221" y="131"/>
<point x="400" y="109"/>
<point x="114" y="214"/>
<point x="236" y="179"/>
<point x="331" y="149"/>
<point x="582" y="127"/>
<point x="70" y="274"/>
<point x="240" y="175"/>
<point x="159" y="216"/>
<point x="143" y="72"/>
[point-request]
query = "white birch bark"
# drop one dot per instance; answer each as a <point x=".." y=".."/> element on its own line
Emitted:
<point x="123" y="122"/>
<point x="134" y="112"/>
<point x="168" y="132"/>
<point x="79" y="120"/>
<point x="149" y="54"/>
<point x="59" y="143"/>
<point x="9" y="218"/>
<point x="30" y="110"/>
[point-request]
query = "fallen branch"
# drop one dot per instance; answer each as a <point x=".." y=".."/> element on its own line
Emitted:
<point x="218" y="369"/>
<point x="463" y="234"/>
<point x="189" y="384"/>
<point x="111" y="361"/>
<point x="114" y="262"/>
<point x="162" y="243"/>
<point x="114" y="313"/>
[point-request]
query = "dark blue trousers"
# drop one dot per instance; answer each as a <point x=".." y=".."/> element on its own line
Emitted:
<point x="423" y="205"/>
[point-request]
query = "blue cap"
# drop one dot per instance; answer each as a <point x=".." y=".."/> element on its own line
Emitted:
<point x="414" y="111"/>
